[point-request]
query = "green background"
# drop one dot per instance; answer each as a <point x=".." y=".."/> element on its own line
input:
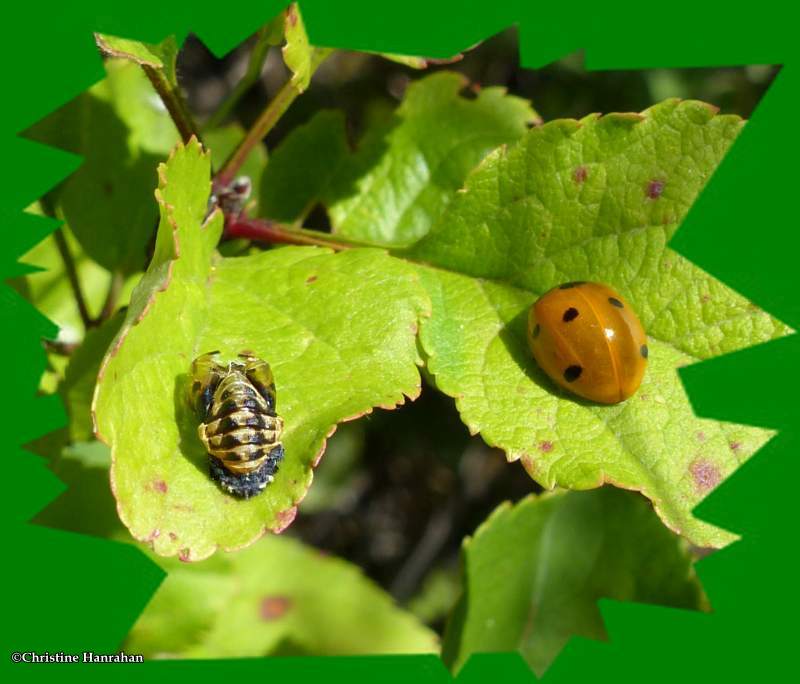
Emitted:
<point x="66" y="592"/>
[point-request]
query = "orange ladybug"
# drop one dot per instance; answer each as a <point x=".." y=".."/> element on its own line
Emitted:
<point x="589" y="340"/>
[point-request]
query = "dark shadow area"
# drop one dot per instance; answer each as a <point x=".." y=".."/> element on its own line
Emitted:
<point x="187" y="419"/>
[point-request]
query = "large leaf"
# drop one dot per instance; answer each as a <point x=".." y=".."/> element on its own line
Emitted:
<point x="121" y="129"/>
<point x="276" y="597"/>
<point x="533" y="573"/>
<point x="406" y="171"/>
<point x="338" y="329"/>
<point x="596" y="199"/>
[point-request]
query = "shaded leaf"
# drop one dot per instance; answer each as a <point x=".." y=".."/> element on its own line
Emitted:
<point x="338" y="329"/>
<point x="122" y="130"/>
<point x="406" y="172"/>
<point x="301" y="167"/>
<point x="533" y="573"/>
<point x="592" y="200"/>
<point x="278" y="594"/>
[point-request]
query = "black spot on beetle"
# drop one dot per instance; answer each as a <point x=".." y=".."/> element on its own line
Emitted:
<point x="644" y="351"/>
<point x="574" y="283"/>
<point x="572" y="373"/>
<point x="570" y="314"/>
<point x="536" y="331"/>
<point x="615" y="302"/>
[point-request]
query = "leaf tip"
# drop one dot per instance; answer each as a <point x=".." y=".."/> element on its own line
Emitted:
<point x="283" y="520"/>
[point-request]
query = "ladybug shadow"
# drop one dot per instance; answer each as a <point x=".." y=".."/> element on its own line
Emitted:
<point x="514" y="336"/>
<point x="187" y="419"/>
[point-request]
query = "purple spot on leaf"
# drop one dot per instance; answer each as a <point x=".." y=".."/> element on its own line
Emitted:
<point x="655" y="188"/>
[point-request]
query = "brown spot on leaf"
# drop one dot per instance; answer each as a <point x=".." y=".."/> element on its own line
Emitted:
<point x="701" y="436"/>
<point x="185" y="554"/>
<point x="545" y="446"/>
<point x="160" y="486"/>
<point x="655" y="189"/>
<point x="311" y="279"/>
<point x="173" y="536"/>
<point x="291" y="15"/>
<point x="580" y="174"/>
<point x="735" y="446"/>
<point x="274" y="607"/>
<point x="705" y="474"/>
<point x="705" y="297"/>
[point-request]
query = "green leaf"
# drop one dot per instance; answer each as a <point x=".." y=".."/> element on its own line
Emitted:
<point x="161" y="57"/>
<point x="406" y="60"/>
<point x="80" y="378"/>
<point x="406" y="172"/>
<point x="533" y="573"/>
<point x="275" y="596"/>
<point x="122" y="130"/>
<point x="594" y="200"/>
<point x="222" y="141"/>
<point x="418" y="62"/>
<point x="301" y="167"/>
<point x="338" y="329"/>
<point x="299" y="55"/>
<point x="158" y="62"/>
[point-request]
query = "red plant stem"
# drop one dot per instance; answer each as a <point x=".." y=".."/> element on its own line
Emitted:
<point x="264" y="230"/>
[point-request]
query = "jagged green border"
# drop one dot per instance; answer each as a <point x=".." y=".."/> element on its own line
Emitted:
<point x="67" y="592"/>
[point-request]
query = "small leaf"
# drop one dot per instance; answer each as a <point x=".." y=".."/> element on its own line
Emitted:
<point x="161" y="57"/>
<point x="406" y="172"/>
<point x="338" y="329"/>
<point x="419" y="62"/>
<point x="301" y="167"/>
<point x="535" y="571"/>
<point x="122" y="130"/>
<point x="593" y="200"/>
<point x="299" y="55"/>
<point x="276" y="595"/>
<point x="406" y="60"/>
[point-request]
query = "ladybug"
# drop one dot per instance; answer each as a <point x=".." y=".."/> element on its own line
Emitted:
<point x="240" y="429"/>
<point x="589" y="340"/>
